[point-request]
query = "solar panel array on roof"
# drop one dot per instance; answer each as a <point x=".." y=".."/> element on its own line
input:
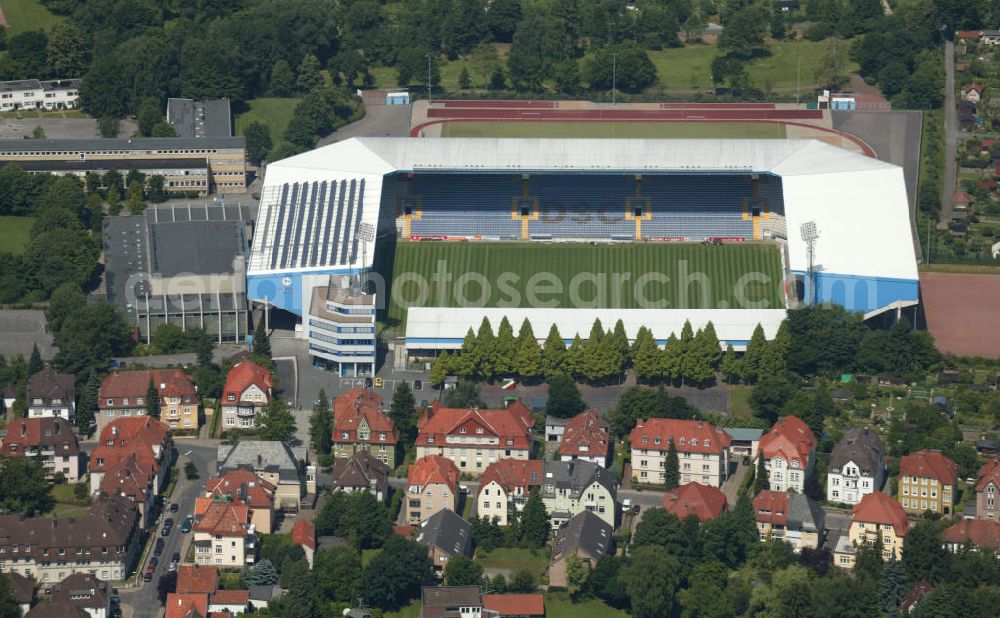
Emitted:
<point x="314" y="224"/>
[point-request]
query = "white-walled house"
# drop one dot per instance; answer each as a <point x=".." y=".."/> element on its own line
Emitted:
<point x="789" y="452"/>
<point x="857" y="467"/>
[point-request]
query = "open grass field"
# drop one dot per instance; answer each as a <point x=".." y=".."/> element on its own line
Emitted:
<point x="25" y="15"/>
<point x="515" y="559"/>
<point x="558" y="605"/>
<point x="581" y="274"/>
<point x="618" y="130"/>
<point x="273" y="112"/>
<point x="15" y="233"/>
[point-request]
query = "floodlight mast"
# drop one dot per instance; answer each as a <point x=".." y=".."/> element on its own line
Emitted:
<point x="366" y="234"/>
<point x="810" y="234"/>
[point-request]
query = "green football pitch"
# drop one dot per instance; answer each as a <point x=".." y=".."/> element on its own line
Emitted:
<point x="580" y="275"/>
<point x="618" y="130"/>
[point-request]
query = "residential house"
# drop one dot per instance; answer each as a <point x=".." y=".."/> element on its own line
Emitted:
<point x="51" y="439"/>
<point x="745" y="443"/>
<point x="304" y="535"/>
<point x="361" y="472"/>
<point x="451" y="602"/>
<point x="793" y="518"/>
<point x="876" y="514"/>
<point x="85" y="591"/>
<point x="225" y="603"/>
<point x="246" y="487"/>
<point x="359" y="424"/>
<point x="988" y="491"/>
<point x="928" y="482"/>
<point x="973" y="92"/>
<point x="514" y="605"/>
<point x="260" y="596"/>
<point x="856" y="468"/>
<point x="123" y="394"/>
<point x="39" y="94"/>
<point x="695" y="499"/>
<point x="587" y="437"/>
<point x="586" y="536"/>
<point x="990" y="37"/>
<point x="286" y="468"/>
<point x="446" y="535"/>
<point x="982" y="533"/>
<point x="104" y="542"/>
<point x="474" y="438"/>
<point x="58" y="609"/>
<point x="555" y="427"/>
<point x="132" y="478"/>
<point x="197" y="579"/>
<point x="23" y="590"/>
<point x="569" y="487"/>
<point x="968" y="36"/>
<point x="432" y="485"/>
<point x="223" y="534"/>
<point x="504" y="488"/>
<point x="188" y="605"/>
<point x="789" y="452"/>
<point x="702" y="449"/>
<point x="51" y="393"/>
<point x="247" y="391"/>
<point x="148" y="439"/>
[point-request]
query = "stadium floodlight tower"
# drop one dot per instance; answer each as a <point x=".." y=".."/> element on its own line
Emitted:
<point x="810" y="234"/>
<point x="365" y="234"/>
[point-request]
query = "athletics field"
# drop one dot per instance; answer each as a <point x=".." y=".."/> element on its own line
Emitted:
<point x="568" y="275"/>
<point x="618" y="130"/>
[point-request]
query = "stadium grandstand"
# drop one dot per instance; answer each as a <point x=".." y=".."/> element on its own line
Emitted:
<point x="654" y="213"/>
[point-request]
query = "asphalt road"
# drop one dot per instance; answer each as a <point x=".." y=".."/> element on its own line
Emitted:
<point x="952" y="136"/>
<point x="141" y="600"/>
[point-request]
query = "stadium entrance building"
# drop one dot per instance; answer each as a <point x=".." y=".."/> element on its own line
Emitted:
<point x="560" y="231"/>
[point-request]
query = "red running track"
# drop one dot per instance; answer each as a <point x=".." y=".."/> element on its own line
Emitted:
<point x="627" y="115"/>
<point x="718" y="105"/>
<point x="501" y="104"/>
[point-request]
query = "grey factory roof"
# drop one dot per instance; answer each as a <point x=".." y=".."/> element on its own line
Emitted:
<point x="200" y="119"/>
<point x="584" y="532"/>
<point x="201" y="247"/>
<point x="447" y="531"/>
<point x="118" y="144"/>
<point x="259" y="455"/>
<point x="187" y="163"/>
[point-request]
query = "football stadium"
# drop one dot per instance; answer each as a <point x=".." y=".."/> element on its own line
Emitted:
<point x="446" y="231"/>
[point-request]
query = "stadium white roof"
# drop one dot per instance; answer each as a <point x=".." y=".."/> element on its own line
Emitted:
<point x="858" y="203"/>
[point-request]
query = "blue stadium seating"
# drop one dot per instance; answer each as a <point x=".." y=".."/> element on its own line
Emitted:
<point x="586" y="206"/>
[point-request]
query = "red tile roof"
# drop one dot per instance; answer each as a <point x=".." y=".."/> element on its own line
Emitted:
<point x="878" y="508"/>
<point x="197" y="578"/>
<point x="929" y="464"/>
<point x="973" y="86"/>
<point x="121" y="385"/>
<point x="55" y="432"/>
<point x="989" y="473"/>
<point x="244" y="486"/>
<point x="243" y="376"/>
<point x="355" y="406"/>
<point x="182" y="605"/>
<point x="224" y="519"/>
<point x="987" y="184"/>
<point x="696" y="499"/>
<point x="130" y="477"/>
<point x="771" y="507"/>
<point x="511" y="426"/>
<point x="964" y="198"/>
<point x="981" y="532"/>
<point x="589" y="430"/>
<point x="511" y="474"/>
<point x="987" y="143"/>
<point x="433" y="469"/>
<point x="104" y="458"/>
<point x="144" y="429"/>
<point x="231" y="597"/>
<point x="515" y="604"/>
<point x="790" y="439"/>
<point x="688" y="436"/>
<point x="304" y="533"/>
<point x="972" y="35"/>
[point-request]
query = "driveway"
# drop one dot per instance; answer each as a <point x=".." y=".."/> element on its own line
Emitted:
<point x="952" y="136"/>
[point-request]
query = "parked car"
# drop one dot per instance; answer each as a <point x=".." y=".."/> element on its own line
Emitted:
<point x="175" y="557"/>
<point x="174" y="507"/>
<point x="368" y="382"/>
<point x="155" y="560"/>
<point x="186" y="524"/>
<point x="417" y="385"/>
<point x="147" y="575"/>
<point x="378" y="382"/>
<point x="172" y="567"/>
<point x="158" y="549"/>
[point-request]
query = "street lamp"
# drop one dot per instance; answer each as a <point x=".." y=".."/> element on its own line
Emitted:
<point x="614" y="75"/>
<point x="428" y="78"/>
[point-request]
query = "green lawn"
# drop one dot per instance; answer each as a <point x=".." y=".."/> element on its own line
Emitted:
<point x="558" y="605"/>
<point x="367" y="555"/>
<point x="515" y="559"/>
<point x="15" y="233"/>
<point x="739" y="401"/>
<point x="69" y="510"/>
<point x="273" y="112"/>
<point x="410" y="611"/>
<point x="618" y="130"/>
<point x="25" y="15"/>
<point x="579" y="274"/>
<point x="691" y="67"/>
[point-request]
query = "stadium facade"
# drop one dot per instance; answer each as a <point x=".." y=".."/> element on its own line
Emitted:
<point x="332" y="210"/>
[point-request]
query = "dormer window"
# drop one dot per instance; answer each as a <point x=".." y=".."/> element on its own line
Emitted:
<point x="694" y="441"/>
<point x="479" y="430"/>
<point x="708" y="443"/>
<point x="682" y="441"/>
<point x="232" y="397"/>
<point x="138" y="401"/>
<point x="430" y="439"/>
<point x="645" y="439"/>
<point x="656" y="440"/>
<point x="461" y="430"/>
